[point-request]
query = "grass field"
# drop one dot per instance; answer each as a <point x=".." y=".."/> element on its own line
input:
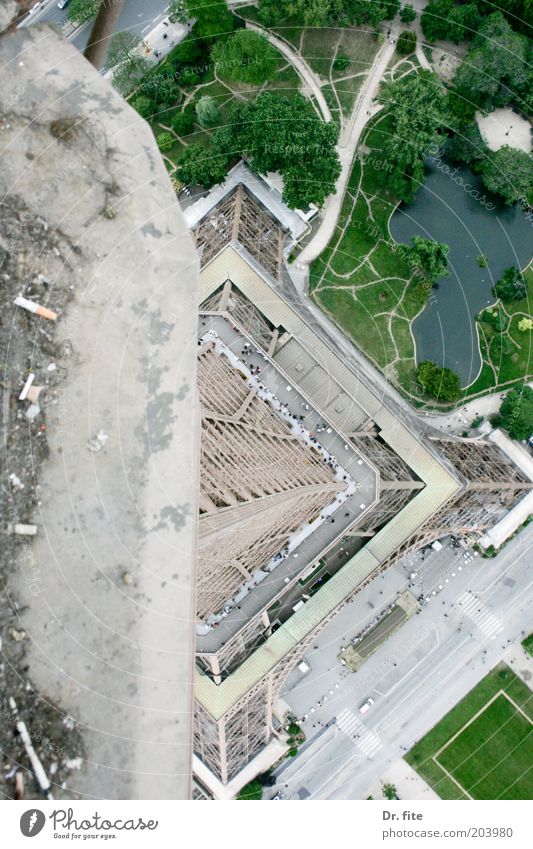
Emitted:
<point x="320" y="47"/>
<point x="483" y="748"/>
<point x="362" y="283"/>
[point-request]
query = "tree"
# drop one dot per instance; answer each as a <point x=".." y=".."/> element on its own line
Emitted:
<point x="319" y="13"/>
<point x="466" y="144"/>
<point x="266" y="779"/>
<point x="525" y="324"/>
<point x="246" y="56"/>
<point x="511" y="286"/>
<point x="81" y="11"/>
<point x="496" y="68"/>
<point x="443" y="19"/>
<point x="341" y="62"/>
<point x="407" y="14"/>
<point x="516" y="412"/>
<point x="312" y="13"/>
<point x="165" y="142"/>
<point x="277" y="133"/>
<point x="428" y="257"/>
<point x="406" y="43"/>
<point x="390" y="791"/>
<point x="200" y="166"/>
<point x="212" y="17"/>
<point x="178" y="11"/>
<point x="143" y="105"/>
<point x="417" y="109"/>
<point x="207" y="111"/>
<point x="121" y="47"/>
<point x="371" y="12"/>
<point x="183" y="122"/>
<point x="252" y="791"/>
<point x="509" y="172"/>
<point x="439" y="382"/>
<point x="125" y="58"/>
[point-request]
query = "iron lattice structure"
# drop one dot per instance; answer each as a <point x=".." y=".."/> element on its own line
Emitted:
<point x="242" y="218"/>
<point x="257" y="484"/>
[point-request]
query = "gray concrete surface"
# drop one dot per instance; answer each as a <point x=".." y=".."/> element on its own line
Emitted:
<point x="107" y="599"/>
<point x="415" y="677"/>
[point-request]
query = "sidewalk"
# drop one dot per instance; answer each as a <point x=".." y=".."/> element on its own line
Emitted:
<point x="350" y="135"/>
<point x="162" y="38"/>
<point x="159" y="42"/>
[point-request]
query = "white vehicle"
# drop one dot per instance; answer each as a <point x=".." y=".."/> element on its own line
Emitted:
<point x="62" y="3"/>
<point x="366" y="705"/>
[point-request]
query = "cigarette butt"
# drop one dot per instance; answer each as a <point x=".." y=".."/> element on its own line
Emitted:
<point x="31" y="306"/>
<point x="25" y="530"/>
<point x="26" y="387"/>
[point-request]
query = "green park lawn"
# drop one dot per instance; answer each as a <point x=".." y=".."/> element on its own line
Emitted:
<point x="320" y="47"/>
<point x="507" y="355"/>
<point x="363" y="284"/>
<point x="224" y="93"/>
<point x="359" y="280"/>
<point x="483" y="748"/>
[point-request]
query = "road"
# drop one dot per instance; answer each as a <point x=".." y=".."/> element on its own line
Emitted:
<point x="464" y="630"/>
<point x="137" y="16"/>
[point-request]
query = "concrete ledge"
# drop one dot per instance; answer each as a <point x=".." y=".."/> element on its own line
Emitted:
<point x="110" y="604"/>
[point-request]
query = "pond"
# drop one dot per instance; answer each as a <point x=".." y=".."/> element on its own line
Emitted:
<point x="472" y="222"/>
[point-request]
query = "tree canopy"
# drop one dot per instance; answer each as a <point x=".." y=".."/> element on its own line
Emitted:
<point x="246" y="56"/>
<point x="406" y="42"/>
<point x="277" y="133"/>
<point x="318" y="13"/>
<point x="207" y="111"/>
<point x="516" y="412"/>
<point x="407" y="14"/>
<point x="200" y="166"/>
<point x="511" y="286"/>
<point x="429" y="257"/>
<point x="466" y="144"/>
<point x="509" y="172"/>
<point x="82" y="11"/>
<point x="443" y="19"/>
<point x="125" y="57"/>
<point x="496" y="70"/>
<point x="417" y="109"/>
<point x="213" y="17"/>
<point x="439" y="382"/>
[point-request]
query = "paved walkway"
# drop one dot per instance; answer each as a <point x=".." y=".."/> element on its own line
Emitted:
<point x="461" y="418"/>
<point x="350" y="135"/>
<point x="300" y="66"/>
<point x="409" y="784"/>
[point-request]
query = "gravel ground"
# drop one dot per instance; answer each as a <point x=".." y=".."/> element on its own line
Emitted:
<point x="30" y="259"/>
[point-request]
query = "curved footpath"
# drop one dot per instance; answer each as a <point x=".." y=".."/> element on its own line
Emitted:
<point x="350" y="136"/>
<point x="300" y="66"/>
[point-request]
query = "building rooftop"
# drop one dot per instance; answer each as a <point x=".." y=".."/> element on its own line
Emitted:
<point x="355" y="479"/>
<point x="350" y="403"/>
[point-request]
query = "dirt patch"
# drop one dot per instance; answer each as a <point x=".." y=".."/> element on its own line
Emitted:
<point x="31" y="258"/>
